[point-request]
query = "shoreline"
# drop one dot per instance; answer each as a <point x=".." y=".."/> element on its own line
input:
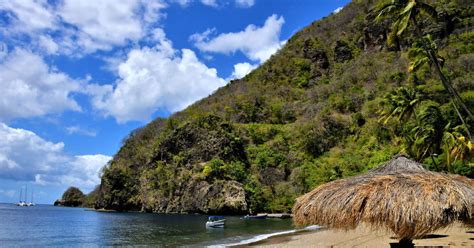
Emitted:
<point x="265" y="237"/>
<point x="454" y="236"/>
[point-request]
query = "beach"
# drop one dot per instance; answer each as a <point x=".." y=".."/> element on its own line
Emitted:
<point x="454" y="236"/>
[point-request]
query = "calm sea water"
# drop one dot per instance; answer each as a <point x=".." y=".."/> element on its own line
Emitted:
<point x="44" y="225"/>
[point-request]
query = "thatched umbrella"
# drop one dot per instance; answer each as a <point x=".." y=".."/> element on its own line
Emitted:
<point x="400" y="196"/>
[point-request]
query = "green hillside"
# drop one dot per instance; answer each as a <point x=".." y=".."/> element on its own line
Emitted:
<point x="322" y="108"/>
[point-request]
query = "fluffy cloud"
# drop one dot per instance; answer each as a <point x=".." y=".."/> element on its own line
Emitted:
<point x="29" y="87"/>
<point x="257" y="43"/>
<point x="245" y="3"/>
<point x="212" y="3"/>
<point x="241" y="70"/>
<point x="337" y="10"/>
<point x="81" y="131"/>
<point x="30" y="15"/>
<point x="107" y="22"/>
<point x="25" y="156"/>
<point x="155" y="78"/>
<point x="217" y="3"/>
<point x="48" y="45"/>
<point x="81" y="26"/>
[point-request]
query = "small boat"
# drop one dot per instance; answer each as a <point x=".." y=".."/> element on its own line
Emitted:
<point x="279" y="216"/>
<point x="255" y="217"/>
<point x="215" y="221"/>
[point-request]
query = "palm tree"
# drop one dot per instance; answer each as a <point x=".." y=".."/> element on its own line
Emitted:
<point x="406" y="12"/>
<point x="426" y="136"/>
<point x="419" y="57"/>
<point x="455" y="145"/>
<point x="400" y="103"/>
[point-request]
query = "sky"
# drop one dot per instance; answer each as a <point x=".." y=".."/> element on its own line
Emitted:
<point x="76" y="77"/>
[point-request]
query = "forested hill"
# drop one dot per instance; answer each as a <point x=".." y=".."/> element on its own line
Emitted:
<point x="336" y="101"/>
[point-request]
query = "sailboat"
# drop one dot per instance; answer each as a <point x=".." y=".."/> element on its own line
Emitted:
<point x="25" y="203"/>
<point x="21" y="203"/>
<point x="31" y="203"/>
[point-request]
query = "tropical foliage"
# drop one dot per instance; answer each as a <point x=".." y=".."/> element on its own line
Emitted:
<point x="336" y="101"/>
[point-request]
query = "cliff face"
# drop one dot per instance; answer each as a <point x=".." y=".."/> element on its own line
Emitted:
<point x="306" y="116"/>
<point x="202" y="197"/>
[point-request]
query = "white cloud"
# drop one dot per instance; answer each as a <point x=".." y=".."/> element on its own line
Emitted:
<point x="30" y="15"/>
<point x="257" y="43"/>
<point x="81" y="131"/>
<point x="81" y="26"/>
<point x="29" y="87"/>
<point x="245" y="3"/>
<point x="337" y="10"/>
<point x="25" y="156"/>
<point x="212" y="3"/>
<point x="82" y="171"/>
<point x="102" y="23"/>
<point x="216" y="3"/>
<point x="3" y="50"/>
<point x="48" y="45"/>
<point x="241" y="70"/>
<point x="183" y="3"/>
<point x="155" y="78"/>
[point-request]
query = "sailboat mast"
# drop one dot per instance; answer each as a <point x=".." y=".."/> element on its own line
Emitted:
<point x="21" y="192"/>
<point x="26" y="193"/>
<point x="32" y="191"/>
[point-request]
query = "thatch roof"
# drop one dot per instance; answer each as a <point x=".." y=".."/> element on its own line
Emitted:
<point x="400" y="196"/>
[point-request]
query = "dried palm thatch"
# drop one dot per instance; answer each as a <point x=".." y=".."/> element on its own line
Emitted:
<point x="400" y="196"/>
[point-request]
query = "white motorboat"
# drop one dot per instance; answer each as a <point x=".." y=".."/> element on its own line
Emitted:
<point x="215" y="222"/>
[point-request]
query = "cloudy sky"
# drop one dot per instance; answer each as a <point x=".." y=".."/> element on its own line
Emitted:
<point x="77" y="76"/>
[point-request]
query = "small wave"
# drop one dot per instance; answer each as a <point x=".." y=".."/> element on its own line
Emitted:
<point x="261" y="237"/>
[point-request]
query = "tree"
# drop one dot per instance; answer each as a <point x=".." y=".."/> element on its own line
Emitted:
<point x="426" y="136"/>
<point x="400" y="103"/>
<point x="406" y="12"/>
<point x="455" y="145"/>
<point x="419" y="57"/>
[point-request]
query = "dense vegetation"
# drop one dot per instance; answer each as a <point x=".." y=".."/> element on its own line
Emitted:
<point x="345" y="94"/>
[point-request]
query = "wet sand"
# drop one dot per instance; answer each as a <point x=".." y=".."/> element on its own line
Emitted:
<point x="454" y="236"/>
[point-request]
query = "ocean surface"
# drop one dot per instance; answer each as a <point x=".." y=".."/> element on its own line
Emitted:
<point x="45" y="225"/>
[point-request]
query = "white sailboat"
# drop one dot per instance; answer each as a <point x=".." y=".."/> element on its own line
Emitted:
<point x="21" y="203"/>
<point x="31" y="203"/>
<point x="25" y="203"/>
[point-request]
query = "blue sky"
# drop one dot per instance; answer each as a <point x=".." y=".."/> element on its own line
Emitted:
<point x="77" y="76"/>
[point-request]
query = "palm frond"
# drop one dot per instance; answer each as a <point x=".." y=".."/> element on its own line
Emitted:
<point x="428" y="9"/>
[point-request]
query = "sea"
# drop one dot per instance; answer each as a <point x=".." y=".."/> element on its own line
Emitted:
<point x="46" y="225"/>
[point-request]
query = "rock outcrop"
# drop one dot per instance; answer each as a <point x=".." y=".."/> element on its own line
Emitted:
<point x="220" y="197"/>
<point x="72" y="197"/>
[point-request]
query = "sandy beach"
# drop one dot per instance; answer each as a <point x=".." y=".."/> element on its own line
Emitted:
<point x="454" y="236"/>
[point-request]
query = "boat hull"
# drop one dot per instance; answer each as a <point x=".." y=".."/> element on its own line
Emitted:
<point x="215" y="224"/>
